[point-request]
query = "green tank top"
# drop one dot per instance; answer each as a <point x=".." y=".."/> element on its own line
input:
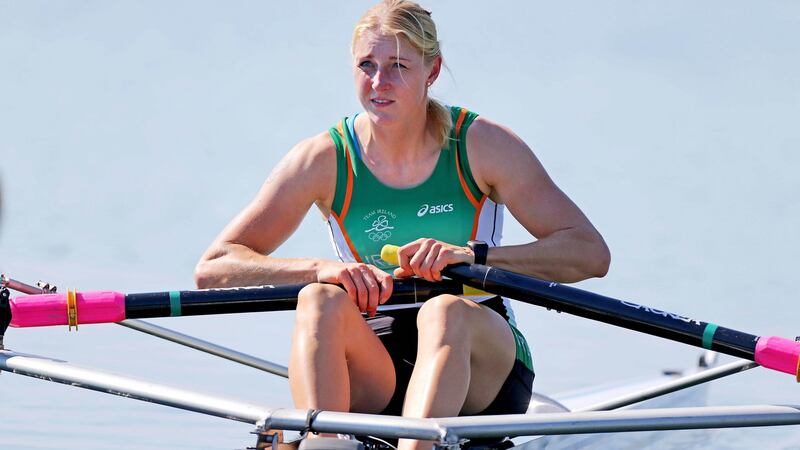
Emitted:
<point x="367" y="214"/>
<point x="448" y="206"/>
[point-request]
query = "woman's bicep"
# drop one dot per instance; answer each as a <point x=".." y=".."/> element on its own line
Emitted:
<point x="515" y="177"/>
<point x="301" y="179"/>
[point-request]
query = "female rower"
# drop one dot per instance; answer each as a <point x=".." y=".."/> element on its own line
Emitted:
<point x="413" y="172"/>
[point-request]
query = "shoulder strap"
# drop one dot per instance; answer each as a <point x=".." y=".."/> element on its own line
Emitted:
<point x="462" y="119"/>
<point x="344" y="171"/>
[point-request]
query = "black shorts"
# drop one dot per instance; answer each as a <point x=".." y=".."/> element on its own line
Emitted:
<point x="397" y="330"/>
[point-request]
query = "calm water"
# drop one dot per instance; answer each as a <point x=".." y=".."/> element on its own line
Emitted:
<point x="131" y="132"/>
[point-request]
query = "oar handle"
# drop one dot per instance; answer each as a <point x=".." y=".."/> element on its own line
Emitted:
<point x="772" y="352"/>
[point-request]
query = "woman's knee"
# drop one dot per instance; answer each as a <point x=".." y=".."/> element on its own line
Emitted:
<point x="445" y="313"/>
<point x="317" y="301"/>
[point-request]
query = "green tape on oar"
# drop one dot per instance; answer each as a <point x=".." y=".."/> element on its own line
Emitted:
<point x="174" y="303"/>
<point x="708" y="335"/>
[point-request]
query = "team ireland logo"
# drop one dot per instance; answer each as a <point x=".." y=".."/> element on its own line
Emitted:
<point x="380" y="230"/>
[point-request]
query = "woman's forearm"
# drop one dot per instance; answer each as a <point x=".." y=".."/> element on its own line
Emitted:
<point x="565" y="256"/>
<point x="232" y="265"/>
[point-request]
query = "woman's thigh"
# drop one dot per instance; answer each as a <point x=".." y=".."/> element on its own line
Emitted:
<point x="331" y="321"/>
<point x="493" y="353"/>
<point x="372" y="372"/>
<point x="492" y="347"/>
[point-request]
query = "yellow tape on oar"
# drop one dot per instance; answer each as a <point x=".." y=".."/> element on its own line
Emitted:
<point x="72" y="309"/>
<point x="389" y="254"/>
<point x="471" y="291"/>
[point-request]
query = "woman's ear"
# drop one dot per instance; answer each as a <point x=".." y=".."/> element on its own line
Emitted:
<point x="436" y="68"/>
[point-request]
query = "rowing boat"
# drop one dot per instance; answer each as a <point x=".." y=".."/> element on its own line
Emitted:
<point x="671" y="400"/>
<point x="669" y="389"/>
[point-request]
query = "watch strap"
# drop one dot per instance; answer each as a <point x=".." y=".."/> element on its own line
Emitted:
<point x="480" y="249"/>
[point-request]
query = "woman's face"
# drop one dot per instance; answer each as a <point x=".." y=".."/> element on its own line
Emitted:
<point x="391" y="77"/>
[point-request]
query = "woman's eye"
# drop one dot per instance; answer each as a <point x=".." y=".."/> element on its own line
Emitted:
<point x="365" y="65"/>
<point x="399" y="66"/>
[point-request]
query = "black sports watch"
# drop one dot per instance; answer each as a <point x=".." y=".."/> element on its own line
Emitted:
<point x="480" y="249"/>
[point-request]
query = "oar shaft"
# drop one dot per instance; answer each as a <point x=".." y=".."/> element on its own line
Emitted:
<point x="605" y="309"/>
<point x="211" y="301"/>
<point x="109" y="306"/>
<point x="257" y="299"/>
<point x="773" y="352"/>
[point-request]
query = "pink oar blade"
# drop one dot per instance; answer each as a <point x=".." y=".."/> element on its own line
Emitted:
<point x="779" y="354"/>
<point x="51" y="309"/>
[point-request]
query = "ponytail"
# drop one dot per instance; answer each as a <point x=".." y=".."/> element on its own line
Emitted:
<point x="439" y="120"/>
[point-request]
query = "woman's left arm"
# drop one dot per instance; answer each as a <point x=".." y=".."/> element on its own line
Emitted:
<point x="568" y="247"/>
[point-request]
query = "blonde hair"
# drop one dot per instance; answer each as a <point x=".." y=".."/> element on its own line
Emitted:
<point x="411" y="21"/>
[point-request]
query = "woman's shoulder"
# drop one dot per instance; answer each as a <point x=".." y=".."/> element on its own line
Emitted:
<point x="493" y="150"/>
<point x="479" y="127"/>
<point x="318" y="148"/>
<point x="486" y="135"/>
<point x="309" y="161"/>
<point x="308" y="169"/>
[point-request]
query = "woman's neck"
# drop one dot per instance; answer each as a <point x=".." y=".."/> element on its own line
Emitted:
<point x="400" y="154"/>
<point x="397" y="143"/>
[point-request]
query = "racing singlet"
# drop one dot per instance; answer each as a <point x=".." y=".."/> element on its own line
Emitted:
<point x="448" y="206"/>
<point x="367" y="214"/>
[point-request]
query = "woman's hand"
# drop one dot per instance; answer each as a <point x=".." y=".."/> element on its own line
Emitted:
<point x="426" y="258"/>
<point x="366" y="285"/>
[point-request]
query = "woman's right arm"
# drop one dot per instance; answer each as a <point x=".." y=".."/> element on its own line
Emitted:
<point x="239" y="256"/>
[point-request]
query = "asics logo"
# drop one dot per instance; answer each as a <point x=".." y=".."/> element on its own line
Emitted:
<point x="434" y="209"/>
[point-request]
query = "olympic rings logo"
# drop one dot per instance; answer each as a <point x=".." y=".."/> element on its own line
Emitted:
<point x="379" y="236"/>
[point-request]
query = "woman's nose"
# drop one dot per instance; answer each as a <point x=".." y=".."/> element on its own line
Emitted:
<point x="380" y="81"/>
